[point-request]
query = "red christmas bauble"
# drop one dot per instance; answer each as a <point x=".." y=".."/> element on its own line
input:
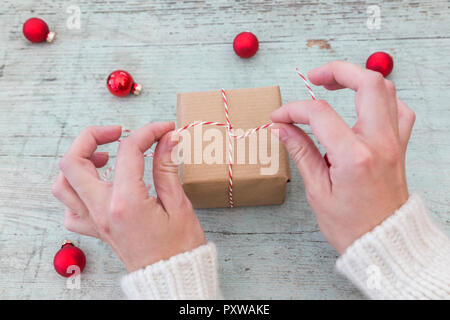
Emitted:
<point x="36" y="30"/>
<point x="245" y="44"/>
<point x="381" y="62"/>
<point x="67" y="256"/>
<point x="120" y="83"/>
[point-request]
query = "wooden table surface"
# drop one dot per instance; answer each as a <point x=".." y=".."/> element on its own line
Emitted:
<point x="50" y="92"/>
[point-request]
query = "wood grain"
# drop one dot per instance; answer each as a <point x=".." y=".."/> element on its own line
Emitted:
<point x="49" y="93"/>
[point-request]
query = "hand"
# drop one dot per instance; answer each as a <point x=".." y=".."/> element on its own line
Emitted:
<point x="141" y="229"/>
<point x="366" y="180"/>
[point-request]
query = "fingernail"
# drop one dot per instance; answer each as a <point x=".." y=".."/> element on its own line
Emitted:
<point x="171" y="123"/>
<point x="312" y="71"/>
<point x="112" y="130"/>
<point x="114" y="126"/>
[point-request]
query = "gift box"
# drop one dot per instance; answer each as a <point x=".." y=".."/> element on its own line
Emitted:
<point x="260" y="166"/>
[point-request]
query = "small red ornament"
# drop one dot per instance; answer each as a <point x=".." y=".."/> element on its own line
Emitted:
<point x="36" y="30"/>
<point x="381" y="62"/>
<point x="67" y="256"/>
<point x="120" y="83"/>
<point x="245" y="44"/>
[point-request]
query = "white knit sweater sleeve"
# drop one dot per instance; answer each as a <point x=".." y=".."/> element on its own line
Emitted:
<point x="189" y="275"/>
<point x="405" y="257"/>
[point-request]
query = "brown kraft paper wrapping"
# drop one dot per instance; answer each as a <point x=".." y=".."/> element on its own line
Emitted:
<point x="206" y="184"/>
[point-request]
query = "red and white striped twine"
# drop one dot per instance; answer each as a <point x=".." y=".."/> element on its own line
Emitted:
<point x="313" y="96"/>
<point x="230" y="134"/>
<point x="230" y="151"/>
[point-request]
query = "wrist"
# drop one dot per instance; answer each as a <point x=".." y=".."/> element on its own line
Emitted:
<point x="189" y="275"/>
<point x="368" y="218"/>
<point x="406" y="256"/>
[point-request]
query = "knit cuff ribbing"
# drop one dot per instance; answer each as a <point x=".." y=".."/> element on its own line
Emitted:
<point x="405" y="257"/>
<point x="189" y="275"/>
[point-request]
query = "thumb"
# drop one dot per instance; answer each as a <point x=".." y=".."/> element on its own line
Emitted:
<point x="165" y="175"/>
<point x="305" y="154"/>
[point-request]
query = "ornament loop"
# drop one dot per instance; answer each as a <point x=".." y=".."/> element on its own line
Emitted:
<point x="66" y="242"/>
